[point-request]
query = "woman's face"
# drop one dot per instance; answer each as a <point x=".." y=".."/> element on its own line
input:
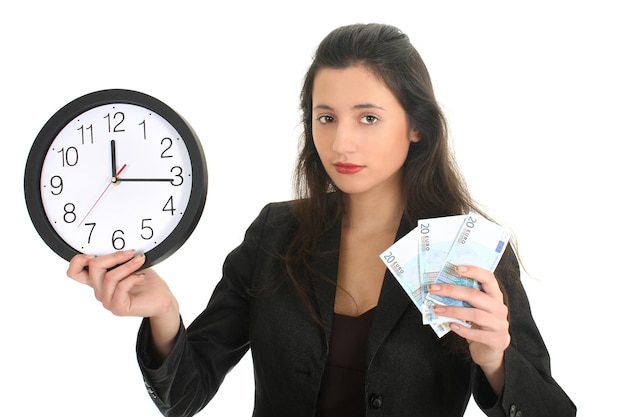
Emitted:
<point x="360" y="130"/>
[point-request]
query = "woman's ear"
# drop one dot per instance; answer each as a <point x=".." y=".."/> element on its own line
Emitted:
<point x="414" y="135"/>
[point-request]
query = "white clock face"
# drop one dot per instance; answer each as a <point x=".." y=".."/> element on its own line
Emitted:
<point x="116" y="177"/>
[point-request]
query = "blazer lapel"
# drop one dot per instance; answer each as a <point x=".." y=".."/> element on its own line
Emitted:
<point x="324" y="289"/>
<point x="393" y="301"/>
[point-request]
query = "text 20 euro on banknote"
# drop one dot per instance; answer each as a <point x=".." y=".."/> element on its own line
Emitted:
<point x="479" y="242"/>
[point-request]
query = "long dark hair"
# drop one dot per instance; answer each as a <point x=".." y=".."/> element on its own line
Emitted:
<point x="432" y="183"/>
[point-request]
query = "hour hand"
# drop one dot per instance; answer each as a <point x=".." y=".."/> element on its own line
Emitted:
<point x="113" y="161"/>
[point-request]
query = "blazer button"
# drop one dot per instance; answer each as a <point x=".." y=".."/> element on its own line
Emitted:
<point x="514" y="412"/>
<point x="376" y="401"/>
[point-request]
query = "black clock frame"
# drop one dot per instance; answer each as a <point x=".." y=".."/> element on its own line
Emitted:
<point x="41" y="145"/>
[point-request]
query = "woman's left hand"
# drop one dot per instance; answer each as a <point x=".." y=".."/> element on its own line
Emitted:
<point x="488" y="337"/>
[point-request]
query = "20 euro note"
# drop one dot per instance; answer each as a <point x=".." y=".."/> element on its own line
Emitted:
<point x="401" y="259"/>
<point x="479" y="242"/>
<point x="436" y="239"/>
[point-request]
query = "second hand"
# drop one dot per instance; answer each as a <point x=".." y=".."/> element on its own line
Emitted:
<point x="113" y="180"/>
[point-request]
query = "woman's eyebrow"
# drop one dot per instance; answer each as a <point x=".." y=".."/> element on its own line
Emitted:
<point x="322" y="107"/>
<point x="355" y="107"/>
<point x="368" y="106"/>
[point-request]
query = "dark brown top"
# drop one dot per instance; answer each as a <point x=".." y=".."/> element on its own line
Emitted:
<point x="343" y="384"/>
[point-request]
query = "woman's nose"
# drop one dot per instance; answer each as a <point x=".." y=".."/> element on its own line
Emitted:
<point x="344" y="141"/>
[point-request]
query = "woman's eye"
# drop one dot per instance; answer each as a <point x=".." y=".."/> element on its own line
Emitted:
<point x="325" y="119"/>
<point x="369" y="119"/>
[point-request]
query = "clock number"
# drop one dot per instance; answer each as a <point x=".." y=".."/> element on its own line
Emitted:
<point x="116" y="128"/>
<point x="69" y="156"/>
<point x="69" y="216"/>
<point x="82" y="129"/>
<point x="144" y="128"/>
<point x="56" y="182"/>
<point x="168" y="146"/>
<point x="169" y="205"/>
<point x="93" y="226"/>
<point x="175" y="182"/>
<point x="118" y="242"/>
<point x="146" y="229"/>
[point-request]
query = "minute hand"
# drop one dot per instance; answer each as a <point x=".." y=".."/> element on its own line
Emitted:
<point x="144" y="180"/>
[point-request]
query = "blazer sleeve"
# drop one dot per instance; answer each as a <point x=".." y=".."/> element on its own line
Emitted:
<point x="529" y="388"/>
<point x="202" y="355"/>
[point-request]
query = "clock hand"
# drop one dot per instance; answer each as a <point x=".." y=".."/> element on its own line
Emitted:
<point x="144" y="180"/>
<point x="113" y="161"/>
<point x="113" y="180"/>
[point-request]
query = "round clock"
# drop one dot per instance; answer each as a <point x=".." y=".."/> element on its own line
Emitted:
<point x="115" y="170"/>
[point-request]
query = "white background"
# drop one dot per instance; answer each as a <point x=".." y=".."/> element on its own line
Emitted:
<point x="534" y="93"/>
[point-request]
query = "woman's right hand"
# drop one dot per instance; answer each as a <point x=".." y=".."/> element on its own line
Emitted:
<point x="125" y="290"/>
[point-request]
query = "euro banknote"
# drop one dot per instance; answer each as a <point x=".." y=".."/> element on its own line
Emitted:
<point x="436" y="239"/>
<point x="402" y="260"/>
<point x="430" y="254"/>
<point x="479" y="242"/>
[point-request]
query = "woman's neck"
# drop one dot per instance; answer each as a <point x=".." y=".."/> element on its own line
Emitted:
<point x="373" y="213"/>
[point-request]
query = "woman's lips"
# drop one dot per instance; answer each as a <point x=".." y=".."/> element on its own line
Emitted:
<point x="347" y="168"/>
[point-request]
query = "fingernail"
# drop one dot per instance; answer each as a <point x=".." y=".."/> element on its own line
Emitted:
<point x="434" y="287"/>
<point x="440" y="309"/>
<point x="461" y="269"/>
<point x="139" y="258"/>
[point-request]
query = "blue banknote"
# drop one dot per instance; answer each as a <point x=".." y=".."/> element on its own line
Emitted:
<point x="430" y="253"/>
<point x="479" y="242"/>
<point x="436" y="239"/>
<point x="402" y="260"/>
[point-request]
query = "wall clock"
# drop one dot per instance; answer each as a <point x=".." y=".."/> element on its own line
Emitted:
<point x="114" y="170"/>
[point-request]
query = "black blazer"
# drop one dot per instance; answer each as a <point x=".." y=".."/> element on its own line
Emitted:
<point x="410" y="371"/>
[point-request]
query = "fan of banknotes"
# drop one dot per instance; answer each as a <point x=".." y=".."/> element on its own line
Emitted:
<point x="431" y="252"/>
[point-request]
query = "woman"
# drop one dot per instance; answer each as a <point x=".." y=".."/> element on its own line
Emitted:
<point x="330" y="330"/>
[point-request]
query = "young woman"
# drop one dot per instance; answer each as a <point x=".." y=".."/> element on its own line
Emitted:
<point x="331" y="331"/>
